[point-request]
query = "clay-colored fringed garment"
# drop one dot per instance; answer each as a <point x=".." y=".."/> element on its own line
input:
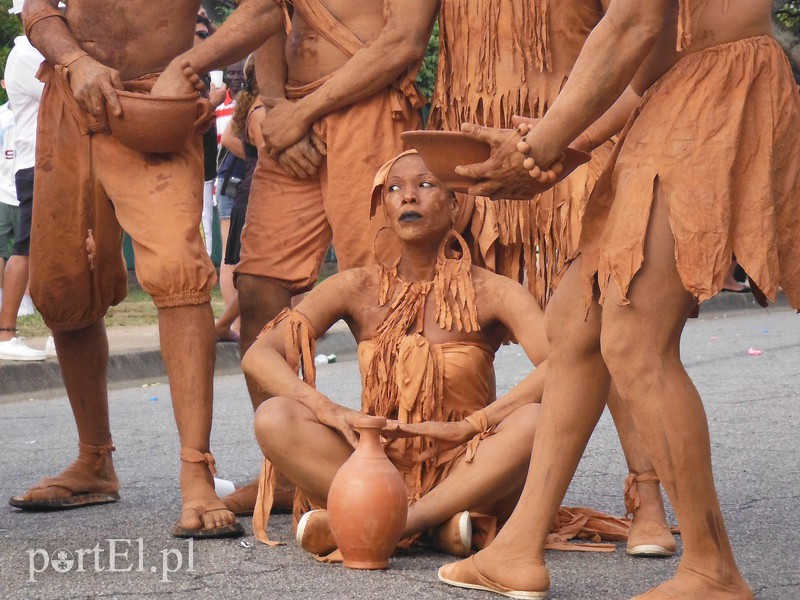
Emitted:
<point x="489" y="71"/>
<point x="407" y="378"/>
<point x="717" y="137"/>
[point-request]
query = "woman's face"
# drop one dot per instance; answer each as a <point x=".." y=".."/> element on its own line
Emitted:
<point x="417" y="205"/>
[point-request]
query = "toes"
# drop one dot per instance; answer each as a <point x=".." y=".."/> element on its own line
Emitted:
<point x="190" y="519"/>
<point x="53" y="492"/>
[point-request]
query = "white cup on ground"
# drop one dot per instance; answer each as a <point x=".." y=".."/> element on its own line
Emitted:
<point x="216" y="78"/>
<point x="223" y="487"/>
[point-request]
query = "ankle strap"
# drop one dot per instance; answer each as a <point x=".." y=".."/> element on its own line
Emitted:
<point x="101" y="451"/>
<point x="11" y="329"/>
<point x="632" y="500"/>
<point x="191" y="455"/>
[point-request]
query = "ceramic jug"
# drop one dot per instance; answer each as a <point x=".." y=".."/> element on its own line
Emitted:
<point x="367" y="501"/>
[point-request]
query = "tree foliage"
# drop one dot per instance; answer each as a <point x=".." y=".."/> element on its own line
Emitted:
<point x="427" y="73"/>
<point x="10" y="27"/>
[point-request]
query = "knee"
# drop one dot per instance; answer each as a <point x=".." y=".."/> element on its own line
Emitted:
<point x="274" y="422"/>
<point x="571" y="331"/>
<point x="632" y="357"/>
<point x="257" y="293"/>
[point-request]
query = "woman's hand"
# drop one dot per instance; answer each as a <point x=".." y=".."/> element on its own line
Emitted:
<point x="340" y="419"/>
<point x="448" y="434"/>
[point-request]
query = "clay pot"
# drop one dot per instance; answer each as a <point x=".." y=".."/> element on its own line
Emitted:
<point x="368" y="502"/>
<point x="443" y="151"/>
<point x="157" y="124"/>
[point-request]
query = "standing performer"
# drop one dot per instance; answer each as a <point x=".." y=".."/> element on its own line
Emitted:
<point x="698" y="175"/>
<point x="344" y="93"/>
<point x="525" y="55"/>
<point x="89" y="187"/>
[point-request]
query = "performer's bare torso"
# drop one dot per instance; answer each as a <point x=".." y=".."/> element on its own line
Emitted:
<point x="136" y="37"/>
<point x="309" y="56"/>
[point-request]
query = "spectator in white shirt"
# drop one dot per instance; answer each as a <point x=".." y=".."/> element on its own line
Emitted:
<point x="24" y="94"/>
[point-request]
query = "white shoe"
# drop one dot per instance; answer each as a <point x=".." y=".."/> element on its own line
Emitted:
<point x="26" y="307"/>
<point x="17" y="349"/>
<point x="50" y="347"/>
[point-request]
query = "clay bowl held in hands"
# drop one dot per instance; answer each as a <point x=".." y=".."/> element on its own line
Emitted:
<point x="443" y="151"/>
<point x="155" y="124"/>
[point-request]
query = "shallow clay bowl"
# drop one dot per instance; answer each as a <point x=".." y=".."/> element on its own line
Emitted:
<point x="443" y="151"/>
<point x="154" y="124"/>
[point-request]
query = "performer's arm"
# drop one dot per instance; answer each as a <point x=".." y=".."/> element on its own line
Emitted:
<point x="632" y="45"/>
<point x="248" y="27"/>
<point x="517" y="310"/>
<point x="401" y="42"/>
<point x="265" y="361"/>
<point x="607" y="65"/>
<point x="301" y="159"/>
<point x="92" y="83"/>
<point x="610" y="124"/>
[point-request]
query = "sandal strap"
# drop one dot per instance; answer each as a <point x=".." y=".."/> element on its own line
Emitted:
<point x="101" y="451"/>
<point x="632" y="499"/>
<point x="195" y="456"/>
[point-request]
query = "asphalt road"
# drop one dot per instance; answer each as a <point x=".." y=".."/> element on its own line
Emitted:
<point x="752" y="406"/>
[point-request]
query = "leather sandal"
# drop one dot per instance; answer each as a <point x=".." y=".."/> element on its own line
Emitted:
<point x="653" y="539"/>
<point x="234" y="529"/>
<point x="314" y="533"/>
<point x="454" y="536"/>
<point x="72" y="480"/>
<point x="464" y="574"/>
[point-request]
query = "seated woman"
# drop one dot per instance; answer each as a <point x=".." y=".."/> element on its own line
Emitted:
<point x="427" y="325"/>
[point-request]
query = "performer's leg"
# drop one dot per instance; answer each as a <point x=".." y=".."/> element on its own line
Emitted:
<point x="649" y="534"/>
<point x="302" y="449"/>
<point x="83" y="358"/>
<point x="669" y="414"/>
<point x="497" y="472"/>
<point x="574" y="397"/>
<point x="187" y="345"/>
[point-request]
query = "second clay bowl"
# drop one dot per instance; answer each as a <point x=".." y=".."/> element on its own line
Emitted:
<point x="443" y="151"/>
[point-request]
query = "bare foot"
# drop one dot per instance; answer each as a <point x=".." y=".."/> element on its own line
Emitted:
<point x="692" y="584"/>
<point x="89" y="480"/>
<point x="243" y="500"/>
<point x="202" y="509"/>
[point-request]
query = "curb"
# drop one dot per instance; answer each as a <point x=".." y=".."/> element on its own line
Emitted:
<point x="24" y="380"/>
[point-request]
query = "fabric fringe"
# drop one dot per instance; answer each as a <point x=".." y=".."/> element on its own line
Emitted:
<point x="577" y="523"/>
<point x="466" y="93"/>
<point x="300" y="343"/>
<point x="684" y="25"/>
